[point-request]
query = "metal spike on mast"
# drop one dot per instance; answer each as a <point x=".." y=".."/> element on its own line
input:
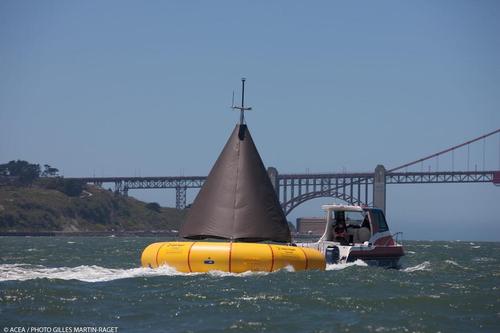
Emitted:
<point x="242" y="108"/>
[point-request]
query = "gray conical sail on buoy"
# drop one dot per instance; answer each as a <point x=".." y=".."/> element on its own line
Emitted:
<point x="237" y="201"/>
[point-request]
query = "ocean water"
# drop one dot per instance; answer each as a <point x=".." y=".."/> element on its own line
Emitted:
<point x="61" y="284"/>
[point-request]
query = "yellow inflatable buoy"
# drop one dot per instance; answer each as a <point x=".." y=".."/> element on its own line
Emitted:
<point x="230" y="257"/>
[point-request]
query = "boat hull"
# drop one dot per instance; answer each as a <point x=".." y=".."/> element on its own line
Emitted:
<point x="387" y="257"/>
<point x="230" y="257"/>
<point x="335" y="253"/>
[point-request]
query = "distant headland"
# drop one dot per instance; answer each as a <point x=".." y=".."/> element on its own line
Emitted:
<point x="36" y="202"/>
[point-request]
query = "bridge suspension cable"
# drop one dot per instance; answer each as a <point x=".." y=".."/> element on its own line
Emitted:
<point x="452" y="149"/>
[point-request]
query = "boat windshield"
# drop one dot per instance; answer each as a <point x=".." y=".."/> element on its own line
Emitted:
<point x="356" y="224"/>
<point x="354" y="219"/>
<point x="349" y="227"/>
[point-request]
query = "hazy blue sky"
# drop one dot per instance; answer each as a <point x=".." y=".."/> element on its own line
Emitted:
<point x="144" y="88"/>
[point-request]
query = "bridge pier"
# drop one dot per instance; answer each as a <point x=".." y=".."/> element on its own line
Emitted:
<point x="273" y="176"/>
<point x="379" y="187"/>
<point x="180" y="197"/>
<point x="121" y="188"/>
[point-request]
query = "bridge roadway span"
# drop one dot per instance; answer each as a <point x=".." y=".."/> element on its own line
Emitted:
<point x="293" y="189"/>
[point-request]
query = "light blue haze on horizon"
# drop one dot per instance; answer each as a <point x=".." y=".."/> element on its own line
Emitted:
<point x="144" y="88"/>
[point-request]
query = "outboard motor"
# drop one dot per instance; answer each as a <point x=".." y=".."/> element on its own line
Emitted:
<point x="332" y="255"/>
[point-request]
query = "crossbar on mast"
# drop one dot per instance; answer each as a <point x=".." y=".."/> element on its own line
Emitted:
<point x="242" y="108"/>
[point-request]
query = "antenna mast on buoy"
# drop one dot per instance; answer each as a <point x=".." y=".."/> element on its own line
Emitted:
<point x="242" y="108"/>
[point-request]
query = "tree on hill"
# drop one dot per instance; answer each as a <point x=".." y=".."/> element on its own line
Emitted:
<point x="154" y="206"/>
<point x="72" y="187"/>
<point x="25" y="171"/>
<point x="49" y="171"/>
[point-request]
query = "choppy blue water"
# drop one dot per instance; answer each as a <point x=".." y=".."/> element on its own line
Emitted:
<point x="67" y="282"/>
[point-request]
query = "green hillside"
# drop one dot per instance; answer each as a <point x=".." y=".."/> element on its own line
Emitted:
<point x="41" y="209"/>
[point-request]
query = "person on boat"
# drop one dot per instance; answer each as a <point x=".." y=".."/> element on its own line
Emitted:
<point x="366" y="223"/>
<point x="363" y="234"/>
<point x="340" y="232"/>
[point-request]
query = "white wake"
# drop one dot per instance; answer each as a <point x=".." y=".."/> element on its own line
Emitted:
<point x="22" y="272"/>
<point x="454" y="263"/>
<point x="425" y="266"/>
<point x="336" y="267"/>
